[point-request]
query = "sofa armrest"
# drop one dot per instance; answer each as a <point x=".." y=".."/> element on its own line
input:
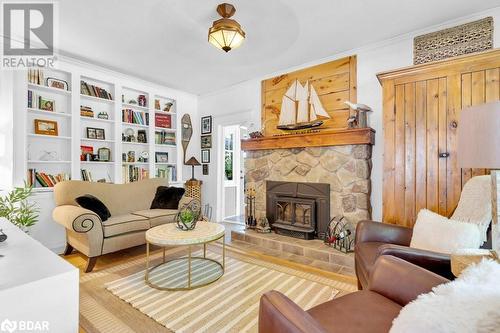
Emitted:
<point x="439" y="263"/>
<point x="371" y="231"/>
<point x="84" y="226"/>
<point x="400" y="280"/>
<point x="76" y="218"/>
<point x="278" y="314"/>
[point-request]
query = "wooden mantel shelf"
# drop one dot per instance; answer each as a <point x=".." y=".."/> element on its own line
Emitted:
<point x="356" y="136"/>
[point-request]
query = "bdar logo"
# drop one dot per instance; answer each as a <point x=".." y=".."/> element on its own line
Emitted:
<point x="8" y="326"/>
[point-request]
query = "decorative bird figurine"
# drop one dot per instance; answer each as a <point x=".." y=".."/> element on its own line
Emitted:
<point x="358" y="106"/>
<point x="358" y="120"/>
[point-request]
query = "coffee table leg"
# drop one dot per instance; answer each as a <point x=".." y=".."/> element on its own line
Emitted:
<point x="223" y="254"/>
<point x="164" y="255"/>
<point x="147" y="259"/>
<point x="189" y="267"/>
<point x="204" y="250"/>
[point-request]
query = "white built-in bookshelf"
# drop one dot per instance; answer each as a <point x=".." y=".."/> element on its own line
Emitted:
<point x="107" y="130"/>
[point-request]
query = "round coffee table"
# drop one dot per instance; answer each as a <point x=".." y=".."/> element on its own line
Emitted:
<point x="169" y="235"/>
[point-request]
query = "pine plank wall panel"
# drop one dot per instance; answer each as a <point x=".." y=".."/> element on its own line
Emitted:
<point x="422" y="107"/>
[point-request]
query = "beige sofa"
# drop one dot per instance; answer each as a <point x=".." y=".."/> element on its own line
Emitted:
<point x="130" y="216"/>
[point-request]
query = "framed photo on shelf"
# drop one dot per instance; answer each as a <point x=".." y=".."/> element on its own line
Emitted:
<point x="205" y="169"/>
<point x="46" y="127"/>
<point x="161" y="157"/>
<point x="56" y="83"/>
<point x="91" y="133"/>
<point x="104" y="154"/>
<point x="142" y="136"/>
<point x="205" y="156"/>
<point x="206" y="125"/>
<point x="206" y="141"/>
<point x="47" y="104"/>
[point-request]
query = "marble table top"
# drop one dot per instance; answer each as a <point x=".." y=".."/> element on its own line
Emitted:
<point x="169" y="234"/>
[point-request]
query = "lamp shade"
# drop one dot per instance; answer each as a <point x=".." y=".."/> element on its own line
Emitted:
<point x="193" y="161"/>
<point x="225" y="33"/>
<point x="479" y="136"/>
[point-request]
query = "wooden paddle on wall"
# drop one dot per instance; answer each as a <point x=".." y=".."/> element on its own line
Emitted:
<point x="186" y="133"/>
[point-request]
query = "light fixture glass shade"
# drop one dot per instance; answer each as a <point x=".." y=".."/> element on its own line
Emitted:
<point x="226" y="34"/>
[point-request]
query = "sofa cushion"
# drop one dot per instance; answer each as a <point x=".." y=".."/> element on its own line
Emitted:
<point x="92" y="203"/>
<point x="362" y="311"/>
<point x="117" y="225"/>
<point x="167" y="197"/>
<point x="158" y="216"/>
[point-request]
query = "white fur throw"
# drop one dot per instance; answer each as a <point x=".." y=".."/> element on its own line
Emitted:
<point x="434" y="232"/>
<point x="469" y="304"/>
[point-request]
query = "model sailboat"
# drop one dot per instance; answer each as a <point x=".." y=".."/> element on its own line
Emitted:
<point x="300" y="108"/>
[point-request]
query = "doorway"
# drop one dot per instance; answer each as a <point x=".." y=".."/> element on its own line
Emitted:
<point x="232" y="162"/>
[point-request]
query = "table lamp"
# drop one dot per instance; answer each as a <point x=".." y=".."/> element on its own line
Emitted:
<point x="192" y="162"/>
<point x="479" y="147"/>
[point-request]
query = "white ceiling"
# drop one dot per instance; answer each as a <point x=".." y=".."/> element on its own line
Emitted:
<point x="165" y="41"/>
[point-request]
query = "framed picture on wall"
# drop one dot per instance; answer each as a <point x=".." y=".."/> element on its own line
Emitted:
<point x="205" y="156"/>
<point x="205" y="169"/>
<point x="206" y="141"/>
<point x="206" y="125"/>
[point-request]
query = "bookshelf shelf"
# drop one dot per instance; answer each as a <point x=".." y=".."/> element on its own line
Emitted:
<point x="165" y="146"/>
<point x="97" y="163"/>
<point x="164" y="163"/>
<point x="135" y="143"/>
<point x="42" y="189"/>
<point x="165" y="112"/>
<point x="48" y="162"/>
<point x="48" y="113"/>
<point x="171" y="130"/>
<point x="83" y="118"/>
<point x="54" y="137"/>
<point x="98" y="140"/>
<point x="98" y="99"/>
<point x="136" y="163"/>
<point x="48" y="89"/>
<point x="134" y="125"/>
<point x="135" y="106"/>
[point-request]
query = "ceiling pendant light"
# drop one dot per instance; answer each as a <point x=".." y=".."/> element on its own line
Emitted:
<point x="226" y="33"/>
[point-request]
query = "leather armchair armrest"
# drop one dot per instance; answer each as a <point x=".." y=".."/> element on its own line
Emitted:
<point x="278" y="314"/>
<point x="371" y="231"/>
<point x="401" y="281"/>
<point x="435" y="262"/>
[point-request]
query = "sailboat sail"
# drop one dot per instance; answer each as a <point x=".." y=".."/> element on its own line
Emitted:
<point x="302" y="104"/>
<point x="316" y="104"/>
<point x="287" y="113"/>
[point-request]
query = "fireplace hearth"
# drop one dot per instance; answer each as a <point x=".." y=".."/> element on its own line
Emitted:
<point x="299" y="210"/>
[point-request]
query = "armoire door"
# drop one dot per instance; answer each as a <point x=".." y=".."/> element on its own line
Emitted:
<point x="421" y="121"/>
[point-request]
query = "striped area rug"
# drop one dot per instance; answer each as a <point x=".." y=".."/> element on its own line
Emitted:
<point x="230" y="304"/>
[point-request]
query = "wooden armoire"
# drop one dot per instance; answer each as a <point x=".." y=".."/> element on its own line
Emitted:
<point x="421" y="118"/>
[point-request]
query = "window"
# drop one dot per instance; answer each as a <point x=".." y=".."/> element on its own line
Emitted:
<point x="229" y="155"/>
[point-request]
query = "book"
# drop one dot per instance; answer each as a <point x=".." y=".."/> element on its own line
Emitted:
<point x="163" y="120"/>
<point x="94" y="91"/>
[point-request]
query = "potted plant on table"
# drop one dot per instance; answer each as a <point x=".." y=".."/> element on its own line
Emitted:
<point x="16" y="208"/>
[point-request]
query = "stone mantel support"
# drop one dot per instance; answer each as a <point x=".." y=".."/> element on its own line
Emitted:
<point x="355" y="136"/>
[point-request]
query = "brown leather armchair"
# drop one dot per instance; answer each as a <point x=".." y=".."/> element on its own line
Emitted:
<point x="374" y="239"/>
<point x="393" y="284"/>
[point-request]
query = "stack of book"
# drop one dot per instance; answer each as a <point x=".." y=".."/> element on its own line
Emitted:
<point x="41" y="179"/>
<point x="164" y="138"/>
<point x="169" y="172"/>
<point x="135" y="117"/>
<point x="86" y="175"/>
<point x="132" y="173"/>
<point x="86" y="111"/>
<point x="35" y="76"/>
<point x="91" y="90"/>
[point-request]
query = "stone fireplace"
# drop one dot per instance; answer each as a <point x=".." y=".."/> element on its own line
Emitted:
<point x="345" y="169"/>
<point x="300" y="210"/>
